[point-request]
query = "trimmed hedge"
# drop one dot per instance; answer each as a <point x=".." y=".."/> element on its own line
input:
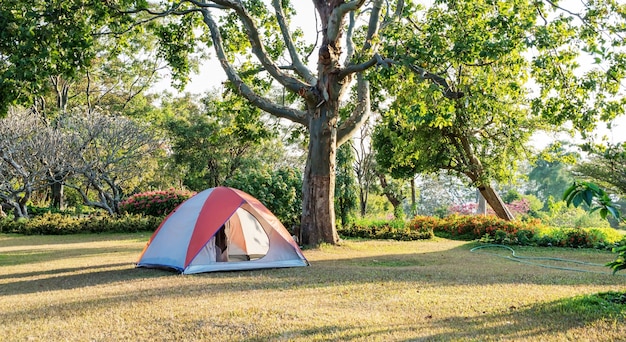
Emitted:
<point x="58" y="224"/>
<point x="484" y="228"/>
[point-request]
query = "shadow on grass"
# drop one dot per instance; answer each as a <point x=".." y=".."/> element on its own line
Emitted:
<point x="457" y="266"/>
<point x="58" y="271"/>
<point x="13" y="240"/>
<point x="76" y="279"/>
<point x="22" y="257"/>
<point x="526" y="323"/>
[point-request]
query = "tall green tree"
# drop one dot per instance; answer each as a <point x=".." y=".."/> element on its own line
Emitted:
<point x="213" y="140"/>
<point x="49" y="43"/>
<point x="485" y="55"/>
<point x="63" y="54"/>
<point x="551" y="173"/>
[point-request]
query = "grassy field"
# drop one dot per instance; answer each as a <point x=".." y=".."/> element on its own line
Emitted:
<point x="85" y="288"/>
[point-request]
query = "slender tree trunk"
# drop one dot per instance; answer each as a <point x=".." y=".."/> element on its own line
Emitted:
<point x="413" y="195"/>
<point x="482" y="204"/>
<point x="318" y="188"/>
<point x="57" y="195"/>
<point x="393" y="199"/>
<point x="496" y="203"/>
<point x="362" y="201"/>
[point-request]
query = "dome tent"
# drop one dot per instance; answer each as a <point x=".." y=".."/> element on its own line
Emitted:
<point x="221" y="229"/>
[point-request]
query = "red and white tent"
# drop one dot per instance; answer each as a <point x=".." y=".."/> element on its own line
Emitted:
<point x="221" y="229"/>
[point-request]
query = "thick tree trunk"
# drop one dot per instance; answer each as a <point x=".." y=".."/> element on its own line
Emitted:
<point x="496" y="203"/>
<point x="318" y="188"/>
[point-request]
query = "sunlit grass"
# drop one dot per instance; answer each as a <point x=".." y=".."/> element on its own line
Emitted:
<point x="85" y="288"/>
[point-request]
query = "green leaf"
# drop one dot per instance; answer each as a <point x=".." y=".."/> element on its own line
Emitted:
<point x="578" y="199"/>
<point x="567" y="196"/>
<point x="614" y="212"/>
<point x="588" y="196"/>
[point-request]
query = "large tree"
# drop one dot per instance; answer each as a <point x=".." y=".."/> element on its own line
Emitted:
<point x="488" y="56"/>
<point x="264" y="36"/>
<point x="30" y="151"/>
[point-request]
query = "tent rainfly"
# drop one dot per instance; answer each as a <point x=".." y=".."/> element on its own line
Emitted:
<point x="221" y="229"/>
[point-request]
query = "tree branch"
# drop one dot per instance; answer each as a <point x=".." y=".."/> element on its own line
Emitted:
<point x="448" y="92"/>
<point x="291" y="83"/>
<point x="242" y="88"/>
<point x="360" y="114"/>
<point x="356" y="68"/>
<point x="337" y="15"/>
<point x="299" y="67"/>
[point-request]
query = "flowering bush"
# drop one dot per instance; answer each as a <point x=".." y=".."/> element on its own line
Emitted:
<point x="466" y="209"/>
<point x="155" y="203"/>
<point x="518" y="208"/>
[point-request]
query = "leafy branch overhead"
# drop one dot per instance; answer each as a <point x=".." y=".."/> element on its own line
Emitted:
<point x="593" y="196"/>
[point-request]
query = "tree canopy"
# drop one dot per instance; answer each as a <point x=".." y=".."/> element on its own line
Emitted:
<point x="489" y="63"/>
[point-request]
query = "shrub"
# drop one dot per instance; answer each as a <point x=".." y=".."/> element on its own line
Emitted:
<point x="470" y="227"/>
<point x="599" y="238"/>
<point x="279" y="190"/>
<point x="387" y="229"/>
<point x="155" y="203"/>
<point x="58" y="224"/>
<point x="518" y="207"/>
<point x="579" y="238"/>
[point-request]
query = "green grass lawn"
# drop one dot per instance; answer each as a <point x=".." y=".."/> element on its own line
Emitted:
<point x="85" y="288"/>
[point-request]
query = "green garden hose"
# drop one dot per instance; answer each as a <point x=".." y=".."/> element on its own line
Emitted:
<point x="525" y="260"/>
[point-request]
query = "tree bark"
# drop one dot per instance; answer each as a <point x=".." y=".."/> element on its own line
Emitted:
<point x="57" y="195"/>
<point x="413" y="200"/>
<point x="318" y="187"/>
<point x="393" y="199"/>
<point x="482" y="204"/>
<point x="496" y="203"/>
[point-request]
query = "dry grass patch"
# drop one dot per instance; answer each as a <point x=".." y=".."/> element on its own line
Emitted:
<point x="85" y="288"/>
